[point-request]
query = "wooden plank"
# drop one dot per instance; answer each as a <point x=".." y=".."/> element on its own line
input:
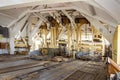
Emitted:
<point x="4" y="65"/>
<point x="61" y="72"/>
<point x="64" y="71"/>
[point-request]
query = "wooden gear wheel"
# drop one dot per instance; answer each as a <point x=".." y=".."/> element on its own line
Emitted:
<point x="44" y="51"/>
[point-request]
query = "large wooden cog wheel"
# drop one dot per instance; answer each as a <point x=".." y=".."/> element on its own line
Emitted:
<point x="44" y="52"/>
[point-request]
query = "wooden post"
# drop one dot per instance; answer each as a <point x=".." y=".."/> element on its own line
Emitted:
<point x="12" y="45"/>
<point x="45" y="37"/>
<point x="80" y="36"/>
<point x="55" y="37"/>
<point x="103" y="45"/>
<point x="69" y="37"/>
<point x="116" y="46"/>
<point x="74" y="45"/>
<point x="52" y="37"/>
<point x="11" y="42"/>
<point x="77" y="37"/>
<point x="92" y="38"/>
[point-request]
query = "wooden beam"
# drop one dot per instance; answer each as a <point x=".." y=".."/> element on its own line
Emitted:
<point x="16" y="20"/>
<point x="6" y="4"/>
<point x="38" y="24"/>
<point x="31" y="35"/>
<point x="23" y="34"/>
<point x="55" y="16"/>
<point x="103" y="46"/>
<point x="55" y="36"/>
<point x="70" y="18"/>
<point x="11" y="42"/>
<point x="69" y="37"/>
<point x="116" y="45"/>
<point x="62" y="32"/>
<point x="77" y="38"/>
<point x="93" y="49"/>
<point x="19" y="25"/>
<point x="78" y="35"/>
<point x="114" y="10"/>
<point x="41" y="17"/>
<point x="80" y="40"/>
<point x="53" y="9"/>
<point x="45" y="37"/>
<point x="20" y="17"/>
<point x="7" y="15"/>
<point x="81" y="9"/>
<point x="112" y="67"/>
<point x="52" y="37"/>
<point x="14" y="31"/>
<point x="100" y="27"/>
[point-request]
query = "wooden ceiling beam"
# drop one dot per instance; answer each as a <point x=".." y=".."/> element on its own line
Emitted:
<point x="100" y="27"/>
<point x="112" y="7"/>
<point x="8" y="4"/>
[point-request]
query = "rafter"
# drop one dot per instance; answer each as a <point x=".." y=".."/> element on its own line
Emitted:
<point x="7" y="15"/>
<point x="14" y="31"/>
<point x="8" y="4"/>
<point x="100" y="27"/>
<point x="55" y="16"/>
<point x="47" y="10"/>
<point x="70" y="18"/>
<point x="20" y="17"/>
<point x="114" y="10"/>
<point x="16" y="20"/>
<point x="43" y="17"/>
<point x="87" y="12"/>
<point x="19" y="25"/>
<point x="62" y="32"/>
<point x="38" y="24"/>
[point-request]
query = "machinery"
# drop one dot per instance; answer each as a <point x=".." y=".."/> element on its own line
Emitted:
<point x="95" y="56"/>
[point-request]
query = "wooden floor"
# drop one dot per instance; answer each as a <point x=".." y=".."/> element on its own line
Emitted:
<point x="77" y="70"/>
<point x="4" y="58"/>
